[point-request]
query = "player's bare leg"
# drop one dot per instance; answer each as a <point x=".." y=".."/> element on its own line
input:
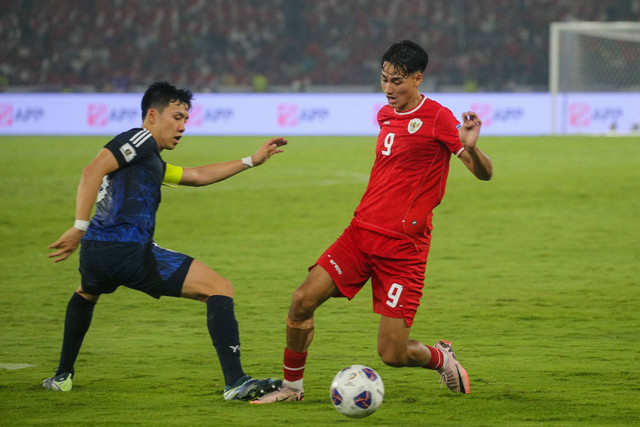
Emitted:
<point x="394" y="346"/>
<point x="396" y="349"/>
<point x="202" y="282"/>
<point x="314" y="291"/>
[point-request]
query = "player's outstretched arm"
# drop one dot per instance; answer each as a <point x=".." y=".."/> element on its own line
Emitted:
<point x="474" y="159"/>
<point x="92" y="175"/>
<point x="214" y="172"/>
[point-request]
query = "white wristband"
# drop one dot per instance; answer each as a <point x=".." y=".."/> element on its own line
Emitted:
<point x="81" y="224"/>
<point x="247" y="162"/>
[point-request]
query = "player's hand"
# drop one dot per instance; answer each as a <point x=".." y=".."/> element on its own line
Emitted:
<point x="66" y="244"/>
<point x="470" y="129"/>
<point x="267" y="150"/>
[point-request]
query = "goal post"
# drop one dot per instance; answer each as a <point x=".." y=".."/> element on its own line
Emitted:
<point x="592" y="57"/>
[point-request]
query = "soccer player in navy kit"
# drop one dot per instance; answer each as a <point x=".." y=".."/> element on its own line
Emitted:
<point x="389" y="237"/>
<point x="117" y="244"/>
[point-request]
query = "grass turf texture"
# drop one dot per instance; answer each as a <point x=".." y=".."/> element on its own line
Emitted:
<point x="533" y="276"/>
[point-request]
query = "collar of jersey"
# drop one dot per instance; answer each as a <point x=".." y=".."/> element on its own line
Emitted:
<point x="424" y="98"/>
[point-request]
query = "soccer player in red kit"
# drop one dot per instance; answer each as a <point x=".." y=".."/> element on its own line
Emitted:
<point x="389" y="237"/>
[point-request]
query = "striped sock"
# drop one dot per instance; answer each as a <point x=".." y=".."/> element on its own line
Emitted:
<point x="438" y="358"/>
<point x="293" y="368"/>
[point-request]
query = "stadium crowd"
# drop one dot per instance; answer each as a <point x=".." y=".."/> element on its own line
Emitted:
<point x="214" y="45"/>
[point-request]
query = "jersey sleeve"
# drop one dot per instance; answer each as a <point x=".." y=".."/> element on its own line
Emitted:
<point x="172" y="175"/>
<point x="446" y="131"/>
<point x="132" y="146"/>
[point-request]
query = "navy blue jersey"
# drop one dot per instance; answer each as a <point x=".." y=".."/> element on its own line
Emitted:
<point x="129" y="197"/>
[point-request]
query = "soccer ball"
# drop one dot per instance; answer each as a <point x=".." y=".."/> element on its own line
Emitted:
<point x="357" y="391"/>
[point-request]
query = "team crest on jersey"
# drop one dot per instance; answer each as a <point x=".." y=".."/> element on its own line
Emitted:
<point x="128" y="152"/>
<point x="414" y="125"/>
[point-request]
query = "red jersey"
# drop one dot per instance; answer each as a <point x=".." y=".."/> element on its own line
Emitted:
<point x="410" y="172"/>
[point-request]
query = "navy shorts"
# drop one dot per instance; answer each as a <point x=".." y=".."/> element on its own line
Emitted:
<point x="145" y="267"/>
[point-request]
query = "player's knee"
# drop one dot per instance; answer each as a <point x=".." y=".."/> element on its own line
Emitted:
<point x="220" y="286"/>
<point x="391" y="356"/>
<point x="302" y="306"/>
<point x="88" y="297"/>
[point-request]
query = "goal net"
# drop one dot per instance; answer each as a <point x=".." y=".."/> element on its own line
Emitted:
<point x="593" y="57"/>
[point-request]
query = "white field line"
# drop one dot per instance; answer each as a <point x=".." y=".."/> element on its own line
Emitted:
<point x="15" y="366"/>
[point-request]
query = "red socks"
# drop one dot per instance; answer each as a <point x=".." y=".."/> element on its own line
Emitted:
<point x="437" y="358"/>
<point x="294" y="364"/>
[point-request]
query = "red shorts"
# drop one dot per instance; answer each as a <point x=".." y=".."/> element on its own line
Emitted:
<point x="395" y="266"/>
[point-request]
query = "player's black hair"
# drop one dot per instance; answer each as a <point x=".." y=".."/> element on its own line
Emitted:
<point x="406" y="56"/>
<point x="160" y="94"/>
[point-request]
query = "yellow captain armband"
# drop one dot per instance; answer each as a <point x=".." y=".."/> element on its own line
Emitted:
<point x="172" y="175"/>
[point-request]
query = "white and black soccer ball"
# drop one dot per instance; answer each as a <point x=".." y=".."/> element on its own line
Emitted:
<point x="357" y="391"/>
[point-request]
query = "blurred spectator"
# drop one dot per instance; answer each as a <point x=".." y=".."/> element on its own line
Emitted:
<point x="260" y="83"/>
<point x="210" y="45"/>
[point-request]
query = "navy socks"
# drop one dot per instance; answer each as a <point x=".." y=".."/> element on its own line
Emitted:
<point x="223" y="329"/>
<point x="76" y="325"/>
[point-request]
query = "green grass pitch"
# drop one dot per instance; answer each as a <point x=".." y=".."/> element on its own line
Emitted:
<point x="534" y="276"/>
